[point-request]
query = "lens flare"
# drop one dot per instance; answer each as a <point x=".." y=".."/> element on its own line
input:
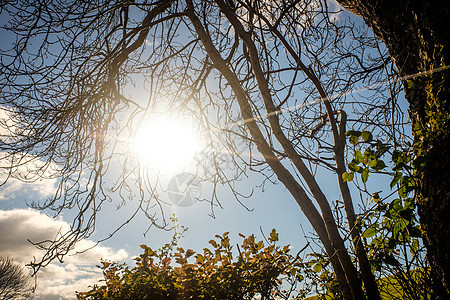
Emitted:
<point x="166" y="144"/>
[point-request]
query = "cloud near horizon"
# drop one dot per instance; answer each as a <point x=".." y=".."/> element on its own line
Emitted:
<point x="56" y="281"/>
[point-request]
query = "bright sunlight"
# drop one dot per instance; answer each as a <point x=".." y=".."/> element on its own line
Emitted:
<point x="167" y="144"/>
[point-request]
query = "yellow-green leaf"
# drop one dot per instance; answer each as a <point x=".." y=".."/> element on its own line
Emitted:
<point x="369" y="232"/>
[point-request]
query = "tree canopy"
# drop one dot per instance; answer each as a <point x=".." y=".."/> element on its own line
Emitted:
<point x="277" y="77"/>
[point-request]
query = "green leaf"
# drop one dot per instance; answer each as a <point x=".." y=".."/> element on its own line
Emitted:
<point x="200" y="258"/>
<point x="370" y="232"/>
<point x="354" y="139"/>
<point x="359" y="157"/>
<point x="273" y="236"/>
<point x="395" y="179"/>
<point x="396" y="155"/>
<point x="396" y="204"/>
<point x="414" y="246"/>
<point x="347" y="176"/>
<point x="380" y="165"/>
<point x="353" y="133"/>
<point x="402" y="191"/>
<point x="366" y="136"/>
<point x="365" y="175"/>
<point x="398" y="226"/>
<point x="317" y="268"/>
<point x="353" y="165"/>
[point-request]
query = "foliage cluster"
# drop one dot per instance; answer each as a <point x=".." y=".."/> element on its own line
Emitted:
<point x="220" y="272"/>
<point x="390" y="228"/>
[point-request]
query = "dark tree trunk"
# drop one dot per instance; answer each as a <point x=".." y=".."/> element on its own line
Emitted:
<point x="416" y="34"/>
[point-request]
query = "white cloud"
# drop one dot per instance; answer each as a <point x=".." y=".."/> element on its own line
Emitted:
<point x="334" y="7"/>
<point x="56" y="281"/>
<point x="8" y="127"/>
<point x="42" y="187"/>
<point x="20" y="173"/>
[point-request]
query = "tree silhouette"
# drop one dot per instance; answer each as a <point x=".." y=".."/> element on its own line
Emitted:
<point x="275" y="76"/>
<point x="14" y="282"/>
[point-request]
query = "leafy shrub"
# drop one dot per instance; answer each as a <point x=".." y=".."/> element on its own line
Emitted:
<point x="220" y="272"/>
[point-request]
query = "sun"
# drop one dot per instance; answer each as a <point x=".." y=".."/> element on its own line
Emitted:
<point x="166" y="144"/>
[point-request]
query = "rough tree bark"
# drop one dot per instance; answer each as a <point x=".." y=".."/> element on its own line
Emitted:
<point x="416" y="34"/>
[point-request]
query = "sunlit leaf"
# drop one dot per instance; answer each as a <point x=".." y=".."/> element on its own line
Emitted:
<point x="366" y="136"/>
<point x="273" y="236"/>
<point x="317" y="267"/>
<point x="347" y="177"/>
<point x="365" y="175"/>
<point x="370" y="232"/>
<point x="359" y="157"/>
